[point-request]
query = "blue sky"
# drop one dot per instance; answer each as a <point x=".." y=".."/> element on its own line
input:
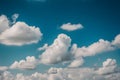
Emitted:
<point x="92" y="25"/>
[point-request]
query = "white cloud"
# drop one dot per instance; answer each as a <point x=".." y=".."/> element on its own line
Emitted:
<point x="19" y="33"/>
<point x="98" y="47"/>
<point x="43" y="48"/>
<point x="109" y="66"/>
<point x="95" y="48"/>
<point x="29" y="63"/>
<point x="76" y="63"/>
<point x="4" y="23"/>
<point x="58" y="51"/>
<point x="3" y="68"/>
<point x="71" y="27"/>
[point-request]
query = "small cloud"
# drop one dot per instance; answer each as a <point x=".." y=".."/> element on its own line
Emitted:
<point x="14" y="17"/>
<point x="44" y="47"/>
<point x="71" y="27"/>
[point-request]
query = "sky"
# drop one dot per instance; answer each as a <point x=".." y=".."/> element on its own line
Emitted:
<point x="59" y="39"/>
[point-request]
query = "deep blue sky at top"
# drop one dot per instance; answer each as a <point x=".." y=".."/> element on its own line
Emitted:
<point x="100" y="18"/>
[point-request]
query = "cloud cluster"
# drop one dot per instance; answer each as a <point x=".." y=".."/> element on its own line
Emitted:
<point x="61" y="50"/>
<point x="19" y="33"/>
<point x="71" y="27"/>
<point x="68" y="74"/>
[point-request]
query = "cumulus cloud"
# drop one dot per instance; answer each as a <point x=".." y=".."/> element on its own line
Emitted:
<point x="43" y="47"/>
<point x="19" y="33"/>
<point x="58" y="51"/>
<point x="71" y="27"/>
<point x="98" y="47"/>
<point x="29" y="63"/>
<point x="109" y="66"/>
<point x="93" y="49"/>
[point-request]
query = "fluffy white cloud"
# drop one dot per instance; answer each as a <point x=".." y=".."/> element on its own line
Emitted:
<point x="71" y="27"/>
<point x="19" y="33"/>
<point x="43" y="48"/>
<point x="109" y="66"/>
<point x="29" y="63"/>
<point x="58" y="51"/>
<point x="4" y="23"/>
<point x="98" y="47"/>
<point x="95" y="48"/>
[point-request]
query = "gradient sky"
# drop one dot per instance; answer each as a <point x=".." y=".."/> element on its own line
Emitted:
<point x="100" y="19"/>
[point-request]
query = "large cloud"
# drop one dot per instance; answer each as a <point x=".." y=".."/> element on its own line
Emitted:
<point x="29" y="63"/>
<point x="71" y="27"/>
<point x="18" y="34"/>
<point x="58" y="51"/>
